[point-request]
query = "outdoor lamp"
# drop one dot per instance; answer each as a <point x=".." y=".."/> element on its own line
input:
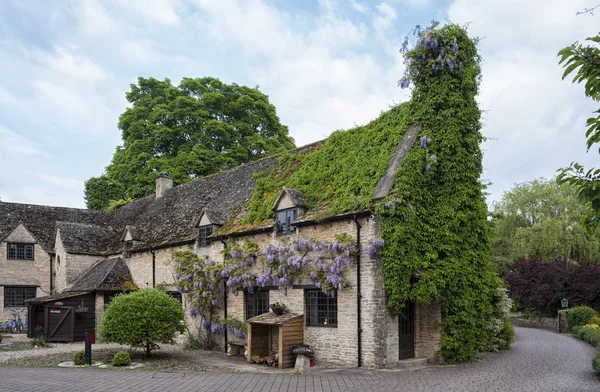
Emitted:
<point x="564" y="302"/>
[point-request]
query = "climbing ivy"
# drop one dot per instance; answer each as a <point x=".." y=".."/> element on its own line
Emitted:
<point x="435" y="219"/>
<point x="437" y="243"/>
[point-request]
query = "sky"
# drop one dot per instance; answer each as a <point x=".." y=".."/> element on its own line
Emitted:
<point x="65" y="67"/>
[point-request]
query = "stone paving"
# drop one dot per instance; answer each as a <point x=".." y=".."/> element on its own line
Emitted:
<point x="539" y="361"/>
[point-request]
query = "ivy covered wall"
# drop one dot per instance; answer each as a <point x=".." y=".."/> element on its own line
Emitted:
<point x="434" y="223"/>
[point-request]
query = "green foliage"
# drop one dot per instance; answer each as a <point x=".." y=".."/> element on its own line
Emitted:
<point x="39" y="341"/>
<point x="506" y="336"/>
<point x="595" y="320"/>
<point x="195" y="344"/>
<point x="101" y="191"/>
<point x="142" y="319"/>
<point x="584" y="62"/>
<point x="590" y="333"/>
<point x="192" y="130"/>
<point x="435" y="219"/>
<point x="541" y="218"/>
<point x="121" y="358"/>
<point x="79" y="358"/>
<point x="580" y="315"/>
<point x="596" y="363"/>
<point x="500" y="331"/>
<point x="339" y="176"/>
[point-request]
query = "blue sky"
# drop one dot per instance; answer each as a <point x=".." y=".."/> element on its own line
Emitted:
<point x="65" y="67"/>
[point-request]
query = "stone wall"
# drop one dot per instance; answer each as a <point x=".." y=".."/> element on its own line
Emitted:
<point x="69" y="266"/>
<point x="333" y="345"/>
<point x="548" y="323"/>
<point x="34" y="272"/>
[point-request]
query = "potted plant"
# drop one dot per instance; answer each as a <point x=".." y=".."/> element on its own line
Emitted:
<point x="277" y="308"/>
<point x="81" y="309"/>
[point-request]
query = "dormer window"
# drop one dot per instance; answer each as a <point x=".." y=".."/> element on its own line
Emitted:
<point x="289" y="205"/>
<point x="204" y="232"/>
<point x="285" y="221"/>
<point x="128" y="248"/>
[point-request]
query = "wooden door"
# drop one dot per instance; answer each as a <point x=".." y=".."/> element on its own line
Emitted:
<point x="406" y="332"/>
<point x="59" y="322"/>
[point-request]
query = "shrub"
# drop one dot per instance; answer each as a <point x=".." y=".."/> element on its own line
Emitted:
<point x="79" y="358"/>
<point x="596" y="363"/>
<point x="497" y="326"/>
<point x="540" y="285"/>
<point x="580" y="315"/>
<point x="595" y="320"/>
<point x="506" y="336"/>
<point x="142" y="319"/>
<point x="40" y="341"/>
<point x="121" y="358"/>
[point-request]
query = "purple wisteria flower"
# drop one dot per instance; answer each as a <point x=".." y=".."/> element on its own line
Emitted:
<point x="375" y="247"/>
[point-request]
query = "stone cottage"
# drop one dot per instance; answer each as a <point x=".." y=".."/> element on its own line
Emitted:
<point x="54" y="253"/>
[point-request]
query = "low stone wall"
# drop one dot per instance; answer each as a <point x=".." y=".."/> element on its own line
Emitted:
<point x="549" y="323"/>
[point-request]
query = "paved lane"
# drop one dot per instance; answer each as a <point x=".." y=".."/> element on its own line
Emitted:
<point x="539" y="361"/>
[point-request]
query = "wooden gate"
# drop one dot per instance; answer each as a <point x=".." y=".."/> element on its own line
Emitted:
<point x="59" y="323"/>
<point x="406" y="332"/>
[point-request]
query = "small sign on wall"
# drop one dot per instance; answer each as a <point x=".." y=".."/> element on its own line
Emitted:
<point x="58" y="303"/>
<point x="55" y="311"/>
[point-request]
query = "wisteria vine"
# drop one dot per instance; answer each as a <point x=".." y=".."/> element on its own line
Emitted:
<point x="245" y="266"/>
<point x="433" y="51"/>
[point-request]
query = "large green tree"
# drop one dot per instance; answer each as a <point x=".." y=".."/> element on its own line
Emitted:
<point x="584" y="62"/>
<point x="543" y="219"/>
<point x="192" y="130"/>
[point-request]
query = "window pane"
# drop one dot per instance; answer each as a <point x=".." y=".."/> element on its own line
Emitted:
<point x="257" y="303"/>
<point x="16" y="296"/>
<point x="285" y="218"/>
<point x="20" y="251"/>
<point x="321" y="310"/>
<point x="203" y="233"/>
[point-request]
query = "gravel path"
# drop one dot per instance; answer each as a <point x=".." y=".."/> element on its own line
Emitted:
<point x="539" y="361"/>
<point x="55" y="348"/>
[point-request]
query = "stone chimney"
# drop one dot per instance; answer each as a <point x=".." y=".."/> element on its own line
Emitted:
<point x="163" y="182"/>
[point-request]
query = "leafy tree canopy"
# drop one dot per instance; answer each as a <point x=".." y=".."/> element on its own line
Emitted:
<point x="192" y="130"/>
<point x="584" y="62"/>
<point x="541" y="218"/>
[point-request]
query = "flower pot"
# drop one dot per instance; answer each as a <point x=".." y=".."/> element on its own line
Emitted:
<point x="278" y="311"/>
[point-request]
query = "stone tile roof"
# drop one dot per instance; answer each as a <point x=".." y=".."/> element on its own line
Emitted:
<point x="110" y="274"/>
<point x="86" y="238"/>
<point x="172" y="218"/>
<point x="41" y="220"/>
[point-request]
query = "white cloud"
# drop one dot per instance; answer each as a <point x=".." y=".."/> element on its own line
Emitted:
<point x="359" y="6"/>
<point x="61" y="182"/>
<point x="383" y="21"/>
<point x="537" y="120"/>
<point x="94" y="19"/>
<point x="159" y="11"/>
<point x="14" y="146"/>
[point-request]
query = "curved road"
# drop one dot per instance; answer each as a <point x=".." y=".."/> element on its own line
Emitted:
<point x="539" y="361"/>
